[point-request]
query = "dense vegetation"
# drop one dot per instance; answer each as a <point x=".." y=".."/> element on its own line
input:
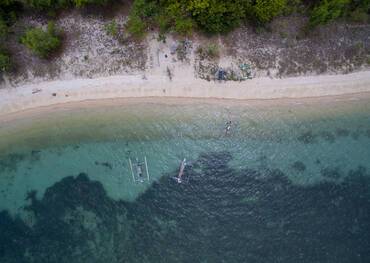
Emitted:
<point x="41" y="42"/>
<point x="217" y="16"/>
<point x="58" y="4"/>
<point x="180" y="16"/>
<point x="327" y="10"/>
<point x="4" y="61"/>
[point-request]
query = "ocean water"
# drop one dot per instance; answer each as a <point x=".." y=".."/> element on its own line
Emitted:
<point x="290" y="182"/>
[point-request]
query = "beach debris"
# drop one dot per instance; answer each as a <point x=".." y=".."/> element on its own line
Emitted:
<point x="34" y="91"/>
<point x="183" y="49"/>
<point x="161" y="38"/>
<point x="221" y="74"/>
<point x="188" y="45"/>
<point x="212" y="71"/>
<point x="173" y="48"/>
<point x="246" y="70"/>
<point x="169" y="73"/>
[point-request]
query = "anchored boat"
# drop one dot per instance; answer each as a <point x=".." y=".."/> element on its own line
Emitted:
<point x="139" y="170"/>
<point x="181" y="171"/>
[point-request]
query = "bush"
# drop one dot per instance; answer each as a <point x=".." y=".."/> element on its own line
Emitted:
<point x="213" y="51"/>
<point x="8" y="11"/>
<point x="3" y="29"/>
<point x="359" y="15"/>
<point x="112" y="28"/>
<point x="183" y="26"/>
<point x="4" y="62"/>
<point x="41" y="42"/>
<point x="163" y="23"/>
<point x="216" y="16"/>
<point x="212" y="16"/>
<point x="48" y="4"/>
<point x="266" y="10"/>
<point x="136" y="26"/>
<point x="175" y="18"/>
<point x="144" y="9"/>
<point x="294" y="6"/>
<point x="57" y="4"/>
<point x="328" y="10"/>
<point x="143" y="12"/>
<point x="81" y="3"/>
<point x="209" y="52"/>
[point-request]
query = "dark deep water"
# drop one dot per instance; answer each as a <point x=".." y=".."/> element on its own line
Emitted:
<point x="220" y="215"/>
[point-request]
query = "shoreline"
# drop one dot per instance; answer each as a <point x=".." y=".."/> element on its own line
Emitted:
<point x="53" y="93"/>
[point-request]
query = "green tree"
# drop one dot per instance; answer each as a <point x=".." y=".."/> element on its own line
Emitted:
<point x="47" y="4"/>
<point x="112" y="28"/>
<point x="217" y="15"/>
<point x="80" y="3"/>
<point x="266" y="10"/>
<point x="328" y="10"/>
<point x="5" y="63"/>
<point x="143" y="12"/>
<point x="136" y="26"/>
<point x="177" y="18"/>
<point x="184" y="26"/>
<point x="360" y="11"/>
<point x="359" y="15"/>
<point x="57" y="4"/>
<point x="3" y="29"/>
<point x="144" y="9"/>
<point x="8" y="10"/>
<point x="41" y="42"/>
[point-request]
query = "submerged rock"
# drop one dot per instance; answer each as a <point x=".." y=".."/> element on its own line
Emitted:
<point x="299" y="166"/>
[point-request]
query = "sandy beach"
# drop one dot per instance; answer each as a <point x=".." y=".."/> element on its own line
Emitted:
<point x="136" y="86"/>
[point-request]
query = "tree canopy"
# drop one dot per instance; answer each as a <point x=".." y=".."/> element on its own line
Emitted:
<point x="41" y="42"/>
<point x="58" y="4"/>
<point x="4" y="61"/>
<point x="179" y="16"/>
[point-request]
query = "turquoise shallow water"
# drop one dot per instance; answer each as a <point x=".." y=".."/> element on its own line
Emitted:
<point x="309" y="149"/>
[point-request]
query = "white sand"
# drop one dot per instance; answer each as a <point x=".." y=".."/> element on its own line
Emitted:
<point x="156" y="85"/>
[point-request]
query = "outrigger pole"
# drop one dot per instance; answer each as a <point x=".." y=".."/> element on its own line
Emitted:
<point x="146" y="167"/>
<point x="132" y="171"/>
